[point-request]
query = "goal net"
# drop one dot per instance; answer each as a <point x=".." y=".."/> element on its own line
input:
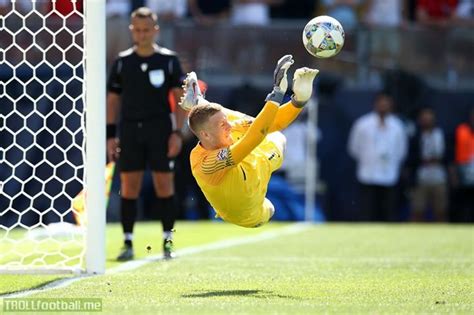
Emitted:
<point x="46" y="90"/>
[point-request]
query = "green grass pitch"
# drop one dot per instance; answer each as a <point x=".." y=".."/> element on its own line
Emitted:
<point x="283" y="269"/>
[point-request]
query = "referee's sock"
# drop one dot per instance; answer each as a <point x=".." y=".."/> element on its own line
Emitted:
<point x="128" y="213"/>
<point x="168" y="208"/>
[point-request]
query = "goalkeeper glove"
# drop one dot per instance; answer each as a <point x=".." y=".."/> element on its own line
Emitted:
<point x="280" y="82"/>
<point x="303" y="85"/>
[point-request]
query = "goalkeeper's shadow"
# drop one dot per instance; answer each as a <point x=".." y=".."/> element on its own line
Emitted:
<point x="264" y="294"/>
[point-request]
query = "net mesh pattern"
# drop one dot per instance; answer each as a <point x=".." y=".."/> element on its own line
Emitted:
<point x="42" y="134"/>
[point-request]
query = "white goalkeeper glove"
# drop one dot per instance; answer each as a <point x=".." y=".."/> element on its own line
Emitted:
<point x="280" y="82"/>
<point x="192" y="95"/>
<point x="303" y="85"/>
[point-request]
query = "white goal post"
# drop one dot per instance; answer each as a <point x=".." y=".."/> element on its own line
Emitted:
<point x="311" y="160"/>
<point x="52" y="136"/>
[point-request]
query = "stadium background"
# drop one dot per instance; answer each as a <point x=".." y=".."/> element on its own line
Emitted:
<point x="430" y="66"/>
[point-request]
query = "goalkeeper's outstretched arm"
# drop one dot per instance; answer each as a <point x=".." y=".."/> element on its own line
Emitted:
<point x="260" y="127"/>
<point x="303" y="89"/>
<point x="256" y="132"/>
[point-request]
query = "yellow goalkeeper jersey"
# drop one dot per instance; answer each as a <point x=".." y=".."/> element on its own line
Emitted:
<point x="236" y="188"/>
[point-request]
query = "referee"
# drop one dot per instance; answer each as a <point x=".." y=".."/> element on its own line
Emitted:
<point x="149" y="135"/>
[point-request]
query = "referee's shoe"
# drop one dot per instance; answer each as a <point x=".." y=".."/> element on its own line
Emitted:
<point x="168" y="249"/>
<point x="126" y="253"/>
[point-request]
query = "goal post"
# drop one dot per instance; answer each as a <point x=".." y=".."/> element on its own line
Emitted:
<point x="95" y="129"/>
<point x="311" y="161"/>
<point x="52" y="136"/>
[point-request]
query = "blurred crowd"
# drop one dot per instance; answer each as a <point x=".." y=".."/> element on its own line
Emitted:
<point x="351" y="13"/>
<point x="260" y="12"/>
<point x="427" y="169"/>
<point x="386" y="17"/>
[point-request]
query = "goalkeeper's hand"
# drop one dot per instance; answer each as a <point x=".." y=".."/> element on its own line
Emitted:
<point x="279" y="75"/>
<point x="303" y="85"/>
<point x="280" y="81"/>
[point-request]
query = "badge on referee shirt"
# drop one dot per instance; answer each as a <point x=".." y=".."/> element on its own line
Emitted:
<point x="157" y="77"/>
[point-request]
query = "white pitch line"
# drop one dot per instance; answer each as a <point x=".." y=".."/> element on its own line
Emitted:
<point x="134" y="264"/>
<point x="343" y="259"/>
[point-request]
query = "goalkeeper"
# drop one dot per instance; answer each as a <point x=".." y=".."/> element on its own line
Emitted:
<point x="236" y="153"/>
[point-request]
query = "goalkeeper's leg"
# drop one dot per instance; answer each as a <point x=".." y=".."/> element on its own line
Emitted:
<point x="267" y="212"/>
<point x="279" y="140"/>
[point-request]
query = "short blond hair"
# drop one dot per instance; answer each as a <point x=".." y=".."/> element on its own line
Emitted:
<point x="144" y="13"/>
<point x="200" y="114"/>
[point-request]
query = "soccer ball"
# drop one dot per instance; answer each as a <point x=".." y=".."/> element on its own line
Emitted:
<point x="323" y="36"/>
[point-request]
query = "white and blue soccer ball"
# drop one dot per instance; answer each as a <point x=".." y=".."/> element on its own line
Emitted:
<point x="323" y="36"/>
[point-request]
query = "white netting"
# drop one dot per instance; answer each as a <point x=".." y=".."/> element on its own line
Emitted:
<point x="41" y="133"/>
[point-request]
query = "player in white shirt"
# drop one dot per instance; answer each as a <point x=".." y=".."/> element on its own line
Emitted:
<point x="378" y="143"/>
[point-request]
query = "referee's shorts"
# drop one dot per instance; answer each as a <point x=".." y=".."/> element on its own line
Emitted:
<point x="145" y="144"/>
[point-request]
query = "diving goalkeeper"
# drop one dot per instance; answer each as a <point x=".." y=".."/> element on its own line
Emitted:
<point x="236" y="153"/>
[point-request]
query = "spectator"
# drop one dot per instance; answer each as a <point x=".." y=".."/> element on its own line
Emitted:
<point x="464" y="14"/>
<point x="252" y="12"/>
<point x="435" y="12"/>
<point x="117" y="12"/>
<point x="410" y="6"/>
<point x="384" y="13"/>
<point x="427" y="156"/>
<point x="65" y="7"/>
<point x="463" y="172"/>
<point x="20" y="6"/>
<point x="137" y="4"/>
<point x="62" y="13"/>
<point x="5" y="7"/>
<point x="291" y="9"/>
<point x="345" y="11"/>
<point x="209" y="12"/>
<point x="168" y="11"/>
<point x="378" y="143"/>
<point x="384" y="17"/>
<point x="138" y="89"/>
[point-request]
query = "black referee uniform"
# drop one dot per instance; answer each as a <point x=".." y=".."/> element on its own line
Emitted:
<point x="144" y="84"/>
